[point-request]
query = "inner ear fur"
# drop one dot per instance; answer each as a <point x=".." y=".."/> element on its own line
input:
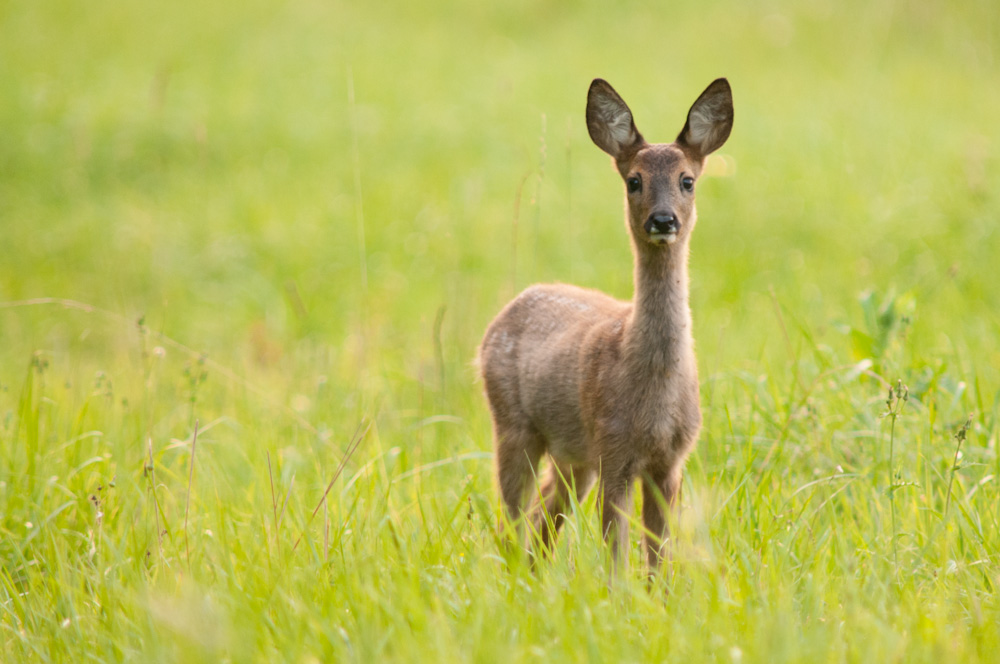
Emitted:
<point x="709" y="121"/>
<point x="609" y="121"/>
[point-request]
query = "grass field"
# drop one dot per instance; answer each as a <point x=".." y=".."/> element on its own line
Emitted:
<point x="288" y="223"/>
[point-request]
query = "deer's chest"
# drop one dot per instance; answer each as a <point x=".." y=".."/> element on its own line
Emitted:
<point x="651" y="416"/>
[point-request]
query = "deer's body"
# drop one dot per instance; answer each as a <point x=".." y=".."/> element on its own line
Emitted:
<point x="607" y="388"/>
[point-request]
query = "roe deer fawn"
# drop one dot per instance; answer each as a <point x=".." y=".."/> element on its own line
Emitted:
<point x="610" y="388"/>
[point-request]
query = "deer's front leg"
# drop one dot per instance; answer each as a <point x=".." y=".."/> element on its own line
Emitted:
<point x="614" y="519"/>
<point x="660" y="493"/>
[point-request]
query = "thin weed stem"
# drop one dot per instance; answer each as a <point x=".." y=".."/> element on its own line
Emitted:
<point x="281" y="516"/>
<point x="960" y="436"/>
<point x="356" y="162"/>
<point x="513" y="233"/>
<point x="274" y="499"/>
<point x="187" y="502"/>
<point x="438" y="348"/>
<point x="150" y="476"/>
<point x="894" y="406"/>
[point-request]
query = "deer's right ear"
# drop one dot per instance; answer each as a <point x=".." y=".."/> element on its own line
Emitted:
<point x="609" y="120"/>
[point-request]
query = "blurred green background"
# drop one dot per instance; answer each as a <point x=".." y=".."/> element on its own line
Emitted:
<point x="194" y="163"/>
<point x="315" y="208"/>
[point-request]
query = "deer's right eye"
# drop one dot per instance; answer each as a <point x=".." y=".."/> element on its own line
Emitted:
<point x="633" y="184"/>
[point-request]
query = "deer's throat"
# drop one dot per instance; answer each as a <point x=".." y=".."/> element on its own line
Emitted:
<point x="658" y="336"/>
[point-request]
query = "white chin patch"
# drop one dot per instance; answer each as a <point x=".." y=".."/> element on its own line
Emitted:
<point x="663" y="238"/>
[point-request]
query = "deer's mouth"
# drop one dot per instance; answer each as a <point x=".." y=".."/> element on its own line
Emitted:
<point x="668" y="237"/>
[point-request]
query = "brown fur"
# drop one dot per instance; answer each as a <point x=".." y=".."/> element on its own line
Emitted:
<point x="609" y="389"/>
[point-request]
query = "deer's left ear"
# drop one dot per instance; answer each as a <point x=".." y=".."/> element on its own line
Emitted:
<point x="710" y="120"/>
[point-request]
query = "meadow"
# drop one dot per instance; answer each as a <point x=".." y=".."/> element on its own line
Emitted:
<point x="248" y="250"/>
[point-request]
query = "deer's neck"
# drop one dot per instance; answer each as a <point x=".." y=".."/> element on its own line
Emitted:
<point x="658" y="334"/>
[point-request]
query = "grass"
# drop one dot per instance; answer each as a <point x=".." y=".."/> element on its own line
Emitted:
<point x="286" y="226"/>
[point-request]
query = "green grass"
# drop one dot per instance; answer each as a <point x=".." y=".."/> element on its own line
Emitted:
<point x="280" y="221"/>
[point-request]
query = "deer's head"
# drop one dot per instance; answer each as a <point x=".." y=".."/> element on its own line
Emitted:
<point x="660" y="178"/>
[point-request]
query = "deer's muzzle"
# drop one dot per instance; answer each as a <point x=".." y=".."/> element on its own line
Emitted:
<point x="662" y="227"/>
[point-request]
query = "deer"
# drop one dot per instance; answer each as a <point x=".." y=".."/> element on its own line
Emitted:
<point x="609" y="389"/>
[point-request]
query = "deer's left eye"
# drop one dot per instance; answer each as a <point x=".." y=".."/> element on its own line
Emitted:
<point x="687" y="183"/>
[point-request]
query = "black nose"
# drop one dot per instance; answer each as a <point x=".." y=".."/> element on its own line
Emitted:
<point x="662" y="223"/>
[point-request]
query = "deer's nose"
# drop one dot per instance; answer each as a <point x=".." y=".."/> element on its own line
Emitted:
<point x="662" y="223"/>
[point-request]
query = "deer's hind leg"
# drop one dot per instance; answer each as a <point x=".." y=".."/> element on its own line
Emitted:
<point x="518" y="451"/>
<point x="518" y="446"/>
<point x="561" y="481"/>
